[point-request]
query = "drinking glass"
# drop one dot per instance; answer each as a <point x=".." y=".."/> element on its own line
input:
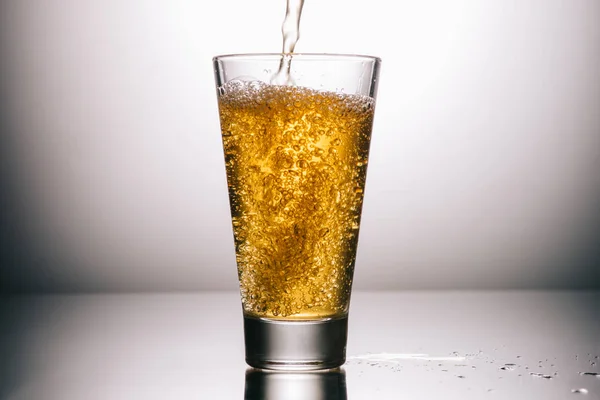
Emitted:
<point x="296" y="132"/>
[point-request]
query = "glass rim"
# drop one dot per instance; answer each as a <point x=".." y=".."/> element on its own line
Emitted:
<point x="305" y="56"/>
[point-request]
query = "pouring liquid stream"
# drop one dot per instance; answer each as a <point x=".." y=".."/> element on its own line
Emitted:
<point x="291" y="33"/>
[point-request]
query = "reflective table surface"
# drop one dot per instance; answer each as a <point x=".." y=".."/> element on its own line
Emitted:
<point x="402" y="345"/>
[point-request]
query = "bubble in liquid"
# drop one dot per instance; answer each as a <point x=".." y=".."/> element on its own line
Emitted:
<point x="302" y="164"/>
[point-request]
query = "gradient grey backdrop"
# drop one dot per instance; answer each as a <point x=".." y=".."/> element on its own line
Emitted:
<point x="485" y="157"/>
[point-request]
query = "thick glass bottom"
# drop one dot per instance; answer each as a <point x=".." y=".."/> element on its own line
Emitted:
<point x="295" y="345"/>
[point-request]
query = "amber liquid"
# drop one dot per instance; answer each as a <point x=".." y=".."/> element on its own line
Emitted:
<point x="296" y="162"/>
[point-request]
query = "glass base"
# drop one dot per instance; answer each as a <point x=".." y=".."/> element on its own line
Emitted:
<point x="295" y="345"/>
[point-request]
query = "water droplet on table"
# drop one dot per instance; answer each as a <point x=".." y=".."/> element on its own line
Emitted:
<point x="596" y="374"/>
<point x="508" y="367"/>
<point x="538" y="375"/>
<point x="580" y="391"/>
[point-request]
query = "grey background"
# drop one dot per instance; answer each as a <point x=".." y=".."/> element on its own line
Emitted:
<point x="485" y="158"/>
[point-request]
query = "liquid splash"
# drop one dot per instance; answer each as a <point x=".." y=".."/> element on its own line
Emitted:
<point x="399" y="357"/>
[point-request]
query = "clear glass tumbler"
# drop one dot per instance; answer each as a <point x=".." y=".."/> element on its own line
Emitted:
<point x="296" y="157"/>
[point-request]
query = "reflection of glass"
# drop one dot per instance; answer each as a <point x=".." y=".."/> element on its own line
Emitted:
<point x="317" y="385"/>
<point x="296" y="160"/>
